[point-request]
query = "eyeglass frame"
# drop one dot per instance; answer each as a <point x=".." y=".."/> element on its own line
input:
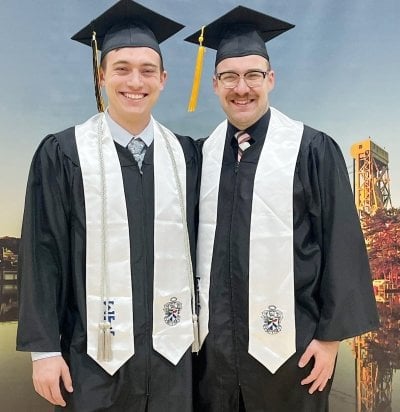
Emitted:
<point x="241" y="76"/>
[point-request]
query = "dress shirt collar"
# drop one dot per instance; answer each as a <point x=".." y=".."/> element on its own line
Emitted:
<point x="123" y="137"/>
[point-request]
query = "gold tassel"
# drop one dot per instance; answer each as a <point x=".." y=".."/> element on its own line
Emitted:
<point x="96" y="75"/>
<point x="197" y="74"/>
<point x="104" y="352"/>
<point x="196" y="342"/>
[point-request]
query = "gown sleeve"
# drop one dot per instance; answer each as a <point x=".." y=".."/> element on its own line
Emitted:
<point x="347" y="304"/>
<point x="44" y="251"/>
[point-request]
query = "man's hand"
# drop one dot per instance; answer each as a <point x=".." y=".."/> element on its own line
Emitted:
<point x="46" y="378"/>
<point x="324" y="354"/>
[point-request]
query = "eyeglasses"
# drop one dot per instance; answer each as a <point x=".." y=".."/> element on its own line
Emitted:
<point x="253" y="78"/>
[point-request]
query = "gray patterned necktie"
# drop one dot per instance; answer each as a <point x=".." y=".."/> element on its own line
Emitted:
<point x="138" y="148"/>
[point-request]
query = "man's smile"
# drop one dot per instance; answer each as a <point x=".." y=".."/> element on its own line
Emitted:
<point x="134" y="96"/>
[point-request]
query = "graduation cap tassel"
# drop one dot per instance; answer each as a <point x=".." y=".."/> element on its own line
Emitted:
<point x="197" y="74"/>
<point x="96" y="75"/>
<point x="104" y="344"/>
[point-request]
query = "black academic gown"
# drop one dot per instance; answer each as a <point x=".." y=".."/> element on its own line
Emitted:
<point x="333" y="292"/>
<point x="52" y="313"/>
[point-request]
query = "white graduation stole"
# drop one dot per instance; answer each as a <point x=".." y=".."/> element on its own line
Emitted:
<point x="173" y="329"/>
<point x="272" y="338"/>
<point x="109" y="278"/>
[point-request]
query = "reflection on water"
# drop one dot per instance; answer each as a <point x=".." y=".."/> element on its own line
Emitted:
<point x="377" y="357"/>
<point x="366" y="378"/>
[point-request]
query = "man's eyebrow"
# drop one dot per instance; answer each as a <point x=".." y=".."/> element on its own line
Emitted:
<point x="149" y="65"/>
<point x="120" y="62"/>
<point x="146" y="64"/>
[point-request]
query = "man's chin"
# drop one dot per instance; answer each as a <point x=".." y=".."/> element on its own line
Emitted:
<point x="242" y="120"/>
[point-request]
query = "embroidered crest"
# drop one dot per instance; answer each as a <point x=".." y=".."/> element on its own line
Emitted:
<point x="272" y="320"/>
<point x="172" y="311"/>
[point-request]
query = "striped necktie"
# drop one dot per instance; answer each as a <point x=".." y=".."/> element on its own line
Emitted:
<point x="242" y="138"/>
<point x="138" y="149"/>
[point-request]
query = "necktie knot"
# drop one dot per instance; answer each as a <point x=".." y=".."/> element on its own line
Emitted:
<point x="138" y="149"/>
<point x="242" y="138"/>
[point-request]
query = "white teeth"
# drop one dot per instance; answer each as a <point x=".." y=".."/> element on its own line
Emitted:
<point x="241" y="102"/>
<point x="134" y="96"/>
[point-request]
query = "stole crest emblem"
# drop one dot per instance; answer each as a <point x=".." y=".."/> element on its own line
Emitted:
<point x="172" y="310"/>
<point x="272" y="318"/>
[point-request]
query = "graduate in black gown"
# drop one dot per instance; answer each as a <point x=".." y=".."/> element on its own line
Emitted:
<point x="282" y="265"/>
<point x="106" y="278"/>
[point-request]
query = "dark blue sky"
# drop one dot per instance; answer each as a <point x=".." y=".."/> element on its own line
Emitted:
<point x="337" y="70"/>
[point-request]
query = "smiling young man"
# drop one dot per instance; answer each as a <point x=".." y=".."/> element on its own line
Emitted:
<point x="242" y="104"/>
<point x="282" y="265"/>
<point x="133" y="79"/>
<point x="106" y="298"/>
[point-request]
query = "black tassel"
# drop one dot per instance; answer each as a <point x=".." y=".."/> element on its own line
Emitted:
<point x="96" y="75"/>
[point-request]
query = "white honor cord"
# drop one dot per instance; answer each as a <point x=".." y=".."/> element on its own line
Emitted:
<point x="104" y="341"/>
<point x="196" y="344"/>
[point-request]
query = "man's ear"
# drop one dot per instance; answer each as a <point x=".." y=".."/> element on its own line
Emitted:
<point x="271" y="80"/>
<point x="163" y="79"/>
<point x="215" y="84"/>
<point x="101" y="76"/>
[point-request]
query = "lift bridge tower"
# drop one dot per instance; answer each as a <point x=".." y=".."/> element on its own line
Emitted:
<point x="375" y="357"/>
<point x="371" y="177"/>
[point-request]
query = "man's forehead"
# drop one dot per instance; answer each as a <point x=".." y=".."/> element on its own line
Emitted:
<point x="141" y="55"/>
<point x="244" y="62"/>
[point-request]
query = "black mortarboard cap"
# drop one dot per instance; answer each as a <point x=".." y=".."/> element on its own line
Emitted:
<point x="240" y="32"/>
<point x="128" y="24"/>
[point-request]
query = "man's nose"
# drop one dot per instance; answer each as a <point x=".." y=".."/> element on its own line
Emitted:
<point x="241" y="87"/>
<point x="135" y="79"/>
